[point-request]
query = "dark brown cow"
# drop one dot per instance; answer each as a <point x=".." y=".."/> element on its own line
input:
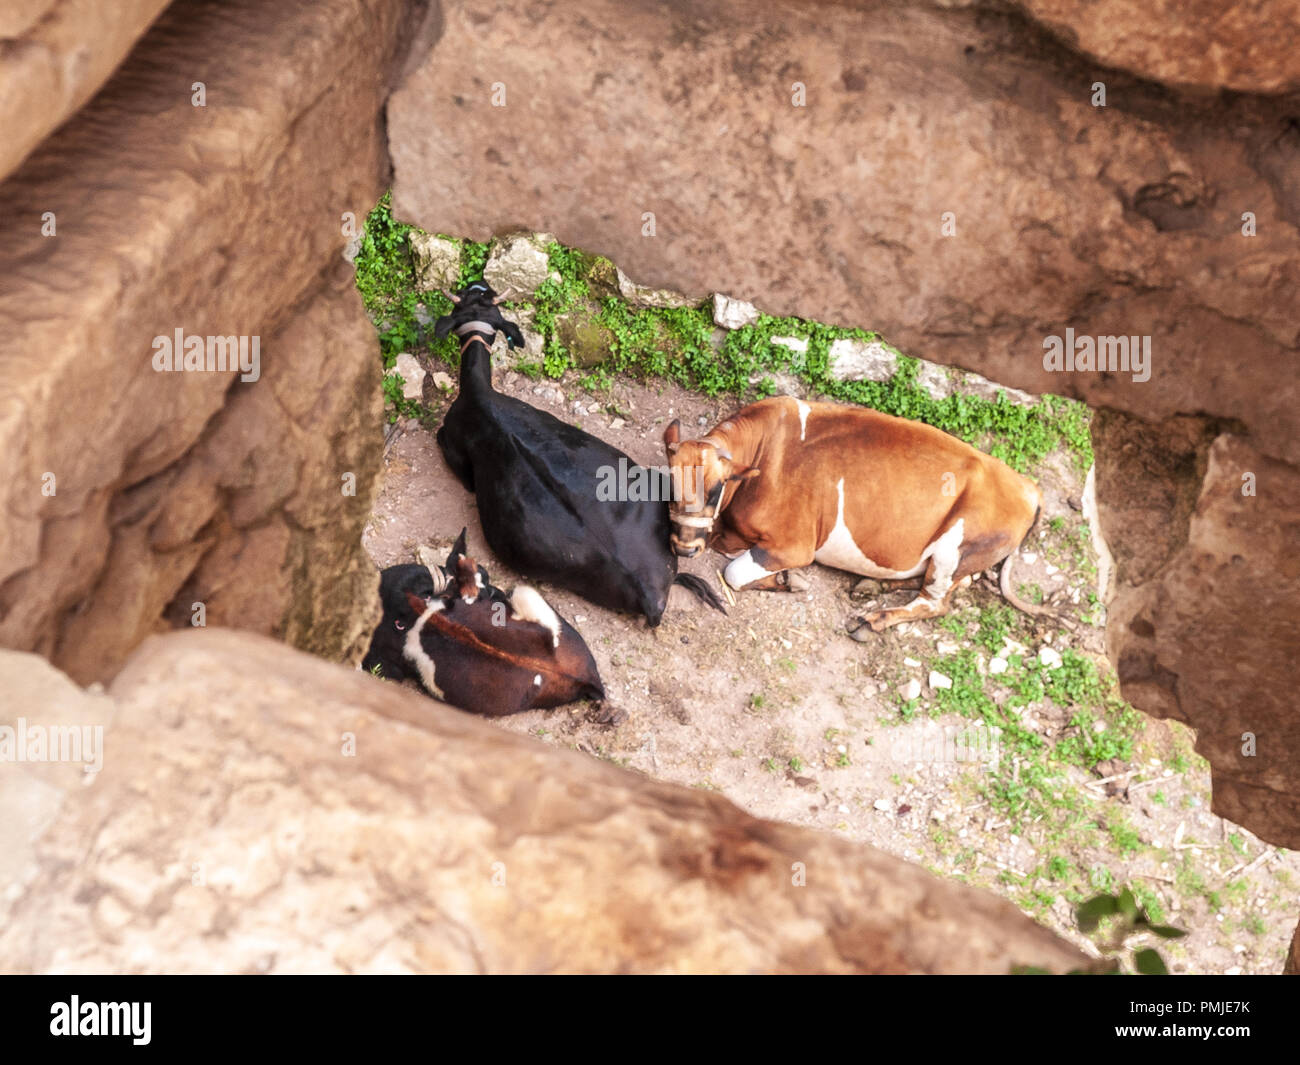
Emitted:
<point x="785" y="483"/>
<point x="497" y="656"/>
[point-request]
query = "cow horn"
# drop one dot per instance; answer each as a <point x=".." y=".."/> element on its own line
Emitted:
<point x="451" y="296"/>
<point x="504" y="296"/>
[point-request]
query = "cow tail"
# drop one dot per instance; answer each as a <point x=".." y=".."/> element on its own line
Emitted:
<point x="701" y="588"/>
<point x="1008" y="589"/>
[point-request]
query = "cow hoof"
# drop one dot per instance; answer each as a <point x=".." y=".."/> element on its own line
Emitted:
<point x="861" y="628"/>
<point x="604" y="714"/>
<point x="796" y="582"/>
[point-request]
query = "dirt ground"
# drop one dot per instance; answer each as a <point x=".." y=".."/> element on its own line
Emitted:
<point x="778" y="709"/>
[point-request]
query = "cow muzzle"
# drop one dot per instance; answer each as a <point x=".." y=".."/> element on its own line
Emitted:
<point x="690" y="534"/>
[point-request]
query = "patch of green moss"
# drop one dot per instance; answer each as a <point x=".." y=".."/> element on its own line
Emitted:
<point x="677" y="344"/>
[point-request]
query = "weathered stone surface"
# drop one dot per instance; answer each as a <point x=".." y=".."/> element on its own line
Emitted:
<point x="412" y="374"/>
<point x="1207" y="44"/>
<point x="56" y="54"/>
<point x="936" y="380"/>
<point x="518" y="262"/>
<point x="860" y="360"/>
<point x="444" y="844"/>
<point x="733" y="314"/>
<point x="168" y="485"/>
<point x="1119" y="220"/>
<point x="436" y="260"/>
<point x="1180" y="637"/>
<point x="587" y="340"/>
<point x="649" y="296"/>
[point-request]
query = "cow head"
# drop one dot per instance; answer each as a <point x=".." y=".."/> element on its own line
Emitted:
<point x="701" y="472"/>
<point x="405" y="592"/>
<point x="474" y="310"/>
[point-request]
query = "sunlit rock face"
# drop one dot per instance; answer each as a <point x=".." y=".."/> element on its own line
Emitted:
<point x="259" y="810"/>
<point x="137" y="498"/>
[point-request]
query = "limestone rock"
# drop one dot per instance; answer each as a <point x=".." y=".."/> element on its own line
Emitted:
<point x="518" y="263"/>
<point x="733" y="314"/>
<point x="408" y="368"/>
<point x="648" y="296"/>
<point x="586" y="339"/>
<point x="934" y="379"/>
<point x="861" y="360"/>
<point x="389" y="833"/>
<point x="436" y="261"/>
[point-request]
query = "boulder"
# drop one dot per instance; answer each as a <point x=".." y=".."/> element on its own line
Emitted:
<point x="133" y="497"/>
<point x="861" y="360"/>
<point x="733" y="314"/>
<point x="408" y="368"/>
<point x="436" y="261"/>
<point x="341" y="823"/>
<point x="518" y="263"/>
<point x="585" y="338"/>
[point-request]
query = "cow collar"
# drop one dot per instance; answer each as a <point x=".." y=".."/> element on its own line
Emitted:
<point x="477" y="335"/>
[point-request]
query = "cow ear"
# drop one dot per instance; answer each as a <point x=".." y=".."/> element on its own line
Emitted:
<point x="513" y="335"/>
<point x="442" y="326"/>
<point x="673" y="435"/>
<point x="744" y="474"/>
<point x="416" y="603"/>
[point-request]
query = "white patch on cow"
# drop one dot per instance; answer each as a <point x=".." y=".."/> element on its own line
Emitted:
<point x="413" y="651"/>
<point x="537" y="679"/>
<point x="803" y="417"/>
<point x="528" y="605"/>
<point x="744" y="570"/>
<point x="1032" y="495"/>
<point x="945" y="554"/>
<point x="841" y="551"/>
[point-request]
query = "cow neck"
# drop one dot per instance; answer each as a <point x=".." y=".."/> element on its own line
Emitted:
<point x="745" y="442"/>
<point x="476" y="360"/>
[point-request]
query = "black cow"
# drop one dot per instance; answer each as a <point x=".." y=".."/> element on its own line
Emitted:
<point x="466" y="642"/>
<point x="537" y="478"/>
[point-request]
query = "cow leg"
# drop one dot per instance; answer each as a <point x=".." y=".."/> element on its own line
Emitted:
<point x="946" y="572"/>
<point x="456" y="459"/>
<point x="762" y="570"/>
<point x="728" y="542"/>
<point x="923" y="606"/>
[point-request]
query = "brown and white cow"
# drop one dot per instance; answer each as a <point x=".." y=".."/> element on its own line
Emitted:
<point x="784" y="483"/>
